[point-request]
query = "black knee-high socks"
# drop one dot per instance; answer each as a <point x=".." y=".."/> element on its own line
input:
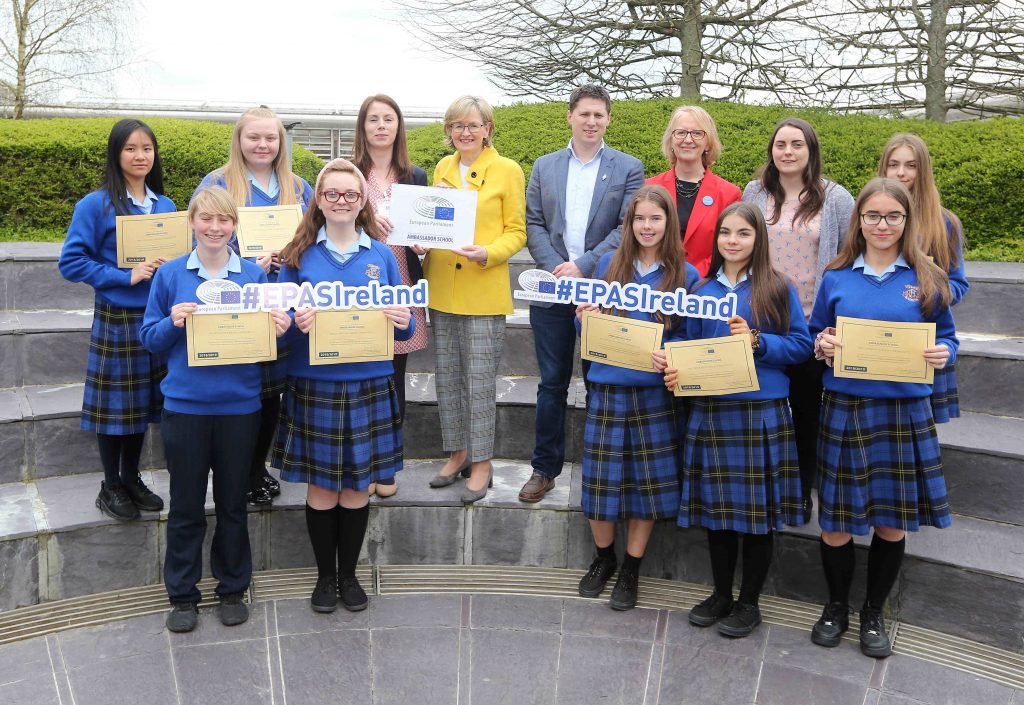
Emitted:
<point x="352" y="528"/>
<point x="724" y="549"/>
<point x="884" y="561"/>
<point x="269" y="411"/>
<point x="322" y="525"/>
<point x="838" y="563"/>
<point x="120" y="457"/>
<point x="757" y="558"/>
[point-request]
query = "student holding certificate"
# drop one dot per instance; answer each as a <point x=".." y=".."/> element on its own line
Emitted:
<point x="340" y="425"/>
<point x="907" y="160"/>
<point x="739" y="474"/>
<point x="879" y="464"/>
<point x="807" y="216"/>
<point x="630" y="443"/>
<point x="211" y="416"/>
<point x="258" y="173"/>
<point x="381" y="153"/>
<point x="122" y="394"/>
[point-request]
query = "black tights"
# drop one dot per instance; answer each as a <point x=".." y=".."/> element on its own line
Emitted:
<point x="269" y="413"/>
<point x="757" y="558"/>
<point x="120" y="457"/>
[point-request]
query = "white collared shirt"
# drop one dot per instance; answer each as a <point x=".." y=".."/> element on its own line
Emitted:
<point x="147" y="201"/>
<point x="579" y="193"/>
<point x="724" y="280"/>
<point x="234" y="265"/>
<point x="272" y="189"/>
<point x="859" y="263"/>
<point x="643" y="270"/>
<point x="338" y="253"/>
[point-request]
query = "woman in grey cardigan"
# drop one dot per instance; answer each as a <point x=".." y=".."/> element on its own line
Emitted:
<point x="807" y="220"/>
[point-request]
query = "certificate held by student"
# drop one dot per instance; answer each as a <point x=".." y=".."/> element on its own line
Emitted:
<point x="433" y="217"/>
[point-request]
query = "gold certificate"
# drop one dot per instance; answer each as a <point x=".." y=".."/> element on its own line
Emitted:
<point x="230" y="338"/>
<point x="713" y="366"/>
<point x="351" y="336"/>
<point x="144" y="238"/>
<point x="619" y="341"/>
<point x="265" y="229"/>
<point x="883" y="350"/>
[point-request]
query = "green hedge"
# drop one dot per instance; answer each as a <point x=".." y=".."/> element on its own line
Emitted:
<point x="46" y="166"/>
<point x="979" y="165"/>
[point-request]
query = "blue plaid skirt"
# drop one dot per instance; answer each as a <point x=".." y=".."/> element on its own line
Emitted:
<point x="879" y="465"/>
<point x="274" y="374"/>
<point x="122" y="379"/>
<point x="739" y="467"/>
<point x="945" y="397"/>
<point x="630" y="454"/>
<point x="339" y="435"/>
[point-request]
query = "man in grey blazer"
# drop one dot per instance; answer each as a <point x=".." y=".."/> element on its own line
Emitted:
<point x="575" y="202"/>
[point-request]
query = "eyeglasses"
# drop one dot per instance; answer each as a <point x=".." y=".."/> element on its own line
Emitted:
<point x="682" y="134"/>
<point x="472" y="128"/>
<point x="335" y="196"/>
<point x="872" y="218"/>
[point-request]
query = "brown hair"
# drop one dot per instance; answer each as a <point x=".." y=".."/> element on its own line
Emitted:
<point x="932" y="281"/>
<point x="812" y="197"/>
<point x="401" y="166"/>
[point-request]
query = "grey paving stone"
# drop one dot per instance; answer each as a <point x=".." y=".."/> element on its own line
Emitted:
<point x="69" y="502"/>
<point x="19" y="573"/>
<point x="575" y="486"/>
<point x="938" y="685"/>
<point x="698" y="677"/>
<point x="997" y="435"/>
<point x="416" y="535"/>
<point x="616" y="669"/>
<point x="674" y="553"/>
<point x="414" y="489"/>
<point x="55" y="401"/>
<point x="211" y="631"/>
<point x="984" y="310"/>
<point x="104" y="558"/>
<point x="10" y="361"/>
<point x="234" y="673"/>
<point x="256" y="531"/>
<point x="973" y="543"/>
<point x="110" y="642"/>
<point x="289" y="540"/>
<point x="781" y="685"/>
<point x="18" y="517"/>
<point x="593" y="618"/>
<point x="543" y="614"/>
<point x="415" y="611"/>
<point x="13" y="405"/>
<point x="796" y="570"/>
<point x="995" y="493"/>
<point x="532" y="537"/>
<point x="514" y="667"/>
<point x="415" y="666"/>
<point x="680" y="632"/>
<point x="509" y="478"/>
<point x="53" y="358"/>
<point x="25" y="659"/>
<point x="580" y="549"/>
<point x="38" y="285"/>
<point x="790" y="647"/>
<point x="143" y="678"/>
<point x="13" y="451"/>
<point x="33" y="690"/>
<point x="1018" y="697"/>
<point x="890" y="699"/>
<point x="59" y="447"/>
<point x="297" y="617"/>
<point x="327" y="667"/>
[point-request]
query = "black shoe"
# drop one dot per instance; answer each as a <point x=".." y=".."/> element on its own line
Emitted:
<point x="271" y="483"/>
<point x="808" y="509"/>
<point x="115" y="502"/>
<point x="741" y="621"/>
<point x="711" y="610"/>
<point x="874" y="642"/>
<point x="183" y="617"/>
<point x="353" y="597"/>
<point x="829" y="630"/>
<point x="143" y="497"/>
<point x="592" y="584"/>
<point x="325" y="595"/>
<point x="625" y="591"/>
<point x="259" y="497"/>
<point x="232" y="610"/>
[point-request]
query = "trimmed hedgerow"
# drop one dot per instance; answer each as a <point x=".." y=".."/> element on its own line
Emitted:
<point x="979" y="165"/>
<point x="46" y="166"/>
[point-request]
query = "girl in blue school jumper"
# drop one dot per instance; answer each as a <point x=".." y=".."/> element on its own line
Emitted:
<point x="630" y="442"/>
<point x="340" y="424"/>
<point x="122" y="394"/>
<point x="879" y="464"/>
<point x="740" y="473"/>
<point x="906" y="159"/>
<point x="258" y="173"/>
<point x="211" y="415"/>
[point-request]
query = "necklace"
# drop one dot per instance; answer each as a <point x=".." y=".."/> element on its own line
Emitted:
<point x="686" y="189"/>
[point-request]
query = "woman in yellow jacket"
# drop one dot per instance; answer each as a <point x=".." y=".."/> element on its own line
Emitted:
<point x="470" y="294"/>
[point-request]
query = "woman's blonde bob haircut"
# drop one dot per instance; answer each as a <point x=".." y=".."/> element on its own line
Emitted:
<point x="706" y="123"/>
<point x="212" y="200"/>
<point x="462" y="108"/>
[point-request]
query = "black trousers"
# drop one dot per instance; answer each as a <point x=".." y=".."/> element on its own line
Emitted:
<point x="805" y="403"/>
<point x="194" y="445"/>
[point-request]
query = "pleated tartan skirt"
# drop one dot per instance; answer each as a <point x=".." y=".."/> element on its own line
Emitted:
<point x="945" y="396"/>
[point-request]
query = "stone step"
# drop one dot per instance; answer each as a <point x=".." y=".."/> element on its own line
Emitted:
<point x="53" y="532"/>
<point x="43" y="347"/>
<point x="993" y="303"/>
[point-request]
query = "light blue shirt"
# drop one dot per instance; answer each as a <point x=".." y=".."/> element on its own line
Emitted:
<point x="724" y="280"/>
<point x="579" y="192"/>
<point x="644" y="270"/>
<point x="147" y="201"/>
<point x="353" y="249"/>
<point x="234" y="265"/>
<point x="272" y="190"/>
<point x="859" y="263"/>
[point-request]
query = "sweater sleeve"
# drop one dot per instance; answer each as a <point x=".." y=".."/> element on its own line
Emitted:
<point x="795" y="346"/>
<point x="945" y="334"/>
<point x="822" y="315"/>
<point x="957" y="275"/>
<point x="158" y="333"/>
<point x="394" y="279"/>
<point x="80" y="257"/>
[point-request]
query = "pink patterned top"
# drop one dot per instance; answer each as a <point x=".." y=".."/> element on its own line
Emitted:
<point x="377" y="193"/>
<point x="794" y="249"/>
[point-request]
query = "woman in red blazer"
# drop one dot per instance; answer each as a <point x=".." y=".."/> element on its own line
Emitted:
<point x="691" y="146"/>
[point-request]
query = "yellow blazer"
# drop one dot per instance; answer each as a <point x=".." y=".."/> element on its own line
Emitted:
<point x="458" y="285"/>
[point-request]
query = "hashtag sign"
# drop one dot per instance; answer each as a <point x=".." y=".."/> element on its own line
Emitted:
<point x="250" y="298"/>
<point x="564" y="292"/>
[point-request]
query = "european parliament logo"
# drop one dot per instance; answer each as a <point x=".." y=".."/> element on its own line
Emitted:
<point x="546" y="287"/>
<point x="435" y="208"/>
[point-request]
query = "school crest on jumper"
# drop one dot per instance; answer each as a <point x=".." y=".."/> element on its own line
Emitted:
<point x="911" y="292"/>
<point x="373" y="271"/>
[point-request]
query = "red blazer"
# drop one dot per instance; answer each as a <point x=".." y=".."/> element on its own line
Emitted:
<point x="715" y="194"/>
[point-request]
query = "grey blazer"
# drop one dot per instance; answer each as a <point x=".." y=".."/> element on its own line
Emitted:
<point x="835" y="219"/>
<point x="619" y="178"/>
